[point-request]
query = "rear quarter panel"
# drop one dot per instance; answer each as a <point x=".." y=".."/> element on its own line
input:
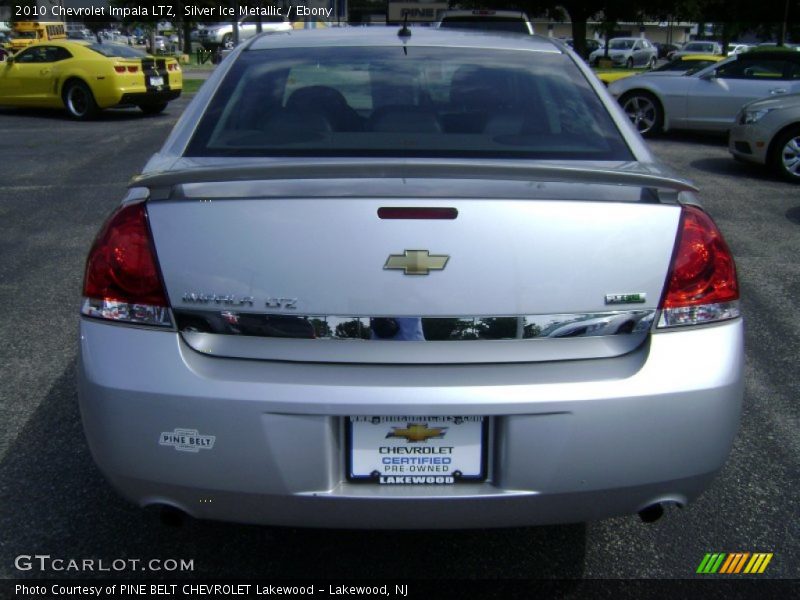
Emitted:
<point x="97" y="74"/>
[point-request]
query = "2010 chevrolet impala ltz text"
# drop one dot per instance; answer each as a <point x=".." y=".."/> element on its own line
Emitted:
<point x="418" y="278"/>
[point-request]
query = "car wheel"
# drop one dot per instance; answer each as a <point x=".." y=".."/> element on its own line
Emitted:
<point x="79" y="101"/>
<point x="629" y="62"/>
<point x="227" y="41"/>
<point x="786" y="155"/>
<point x="153" y="109"/>
<point x="644" y="111"/>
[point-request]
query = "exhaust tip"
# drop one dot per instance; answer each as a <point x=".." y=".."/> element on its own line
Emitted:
<point x="652" y="513"/>
<point x="171" y="516"/>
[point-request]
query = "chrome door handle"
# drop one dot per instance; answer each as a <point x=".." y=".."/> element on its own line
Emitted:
<point x="778" y="91"/>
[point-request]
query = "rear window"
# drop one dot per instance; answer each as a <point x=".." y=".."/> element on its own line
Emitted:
<point x="425" y="102"/>
<point x="621" y="44"/>
<point x="117" y="51"/>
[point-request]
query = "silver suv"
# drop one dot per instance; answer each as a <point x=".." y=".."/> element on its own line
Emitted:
<point x="487" y="20"/>
<point x="221" y="34"/>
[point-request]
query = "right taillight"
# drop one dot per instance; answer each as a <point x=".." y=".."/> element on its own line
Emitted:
<point x="701" y="285"/>
<point x="122" y="280"/>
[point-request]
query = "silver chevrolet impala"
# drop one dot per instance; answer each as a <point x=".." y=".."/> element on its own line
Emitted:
<point x="409" y="279"/>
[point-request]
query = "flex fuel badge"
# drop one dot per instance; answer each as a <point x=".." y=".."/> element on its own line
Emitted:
<point x="187" y="440"/>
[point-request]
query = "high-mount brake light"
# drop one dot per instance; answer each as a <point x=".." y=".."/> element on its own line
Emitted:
<point x="701" y="286"/>
<point x="417" y="212"/>
<point x="122" y="280"/>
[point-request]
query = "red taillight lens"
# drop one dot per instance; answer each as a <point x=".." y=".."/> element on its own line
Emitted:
<point x="133" y="69"/>
<point x="122" y="281"/>
<point x="701" y="286"/>
<point x="119" y="68"/>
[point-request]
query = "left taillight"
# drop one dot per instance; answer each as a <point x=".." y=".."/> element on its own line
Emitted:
<point x="122" y="281"/>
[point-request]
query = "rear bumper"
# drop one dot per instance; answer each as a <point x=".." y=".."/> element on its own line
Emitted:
<point x="151" y="97"/>
<point x="568" y="442"/>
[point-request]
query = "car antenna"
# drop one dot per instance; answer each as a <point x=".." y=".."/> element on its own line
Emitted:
<point x="404" y="30"/>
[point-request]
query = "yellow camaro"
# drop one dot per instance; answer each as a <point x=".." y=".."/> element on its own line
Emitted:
<point x="85" y="77"/>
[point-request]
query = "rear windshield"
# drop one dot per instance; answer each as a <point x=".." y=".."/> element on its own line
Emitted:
<point x="117" y="51"/>
<point x="425" y="102"/>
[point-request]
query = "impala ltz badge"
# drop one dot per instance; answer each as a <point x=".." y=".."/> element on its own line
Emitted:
<point x="225" y="299"/>
<point x="416" y="262"/>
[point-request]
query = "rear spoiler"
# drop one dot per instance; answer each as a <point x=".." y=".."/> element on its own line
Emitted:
<point x="630" y="174"/>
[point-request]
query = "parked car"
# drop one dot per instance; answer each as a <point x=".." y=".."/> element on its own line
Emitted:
<point x="708" y="99"/>
<point x="213" y="36"/>
<point x="665" y="49"/>
<point x="738" y="48"/>
<point x="697" y="48"/>
<point x="80" y="34"/>
<point x="85" y="77"/>
<point x="687" y="64"/>
<point x="591" y="45"/>
<point x="160" y="44"/>
<point x="628" y="52"/>
<point x="767" y="132"/>
<point x="462" y="196"/>
<point x="512" y="21"/>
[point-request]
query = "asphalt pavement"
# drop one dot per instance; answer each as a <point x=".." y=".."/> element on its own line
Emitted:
<point x="59" y="179"/>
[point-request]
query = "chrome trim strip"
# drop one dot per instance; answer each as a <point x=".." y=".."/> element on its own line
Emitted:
<point x="419" y="329"/>
<point x="427" y="340"/>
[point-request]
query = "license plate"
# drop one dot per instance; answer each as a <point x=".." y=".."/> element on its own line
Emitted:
<point x="156" y="81"/>
<point x="417" y="450"/>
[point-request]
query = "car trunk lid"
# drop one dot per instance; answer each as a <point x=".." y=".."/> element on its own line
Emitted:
<point x="529" y="269"/>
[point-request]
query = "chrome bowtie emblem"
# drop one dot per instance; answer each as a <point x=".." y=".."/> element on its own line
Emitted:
<point x="416" y="262"/>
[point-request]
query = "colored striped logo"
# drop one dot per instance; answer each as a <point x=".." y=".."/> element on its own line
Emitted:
<point x="734" y="563"/>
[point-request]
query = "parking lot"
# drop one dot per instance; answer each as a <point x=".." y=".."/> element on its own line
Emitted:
<point x="59" y="179"/>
